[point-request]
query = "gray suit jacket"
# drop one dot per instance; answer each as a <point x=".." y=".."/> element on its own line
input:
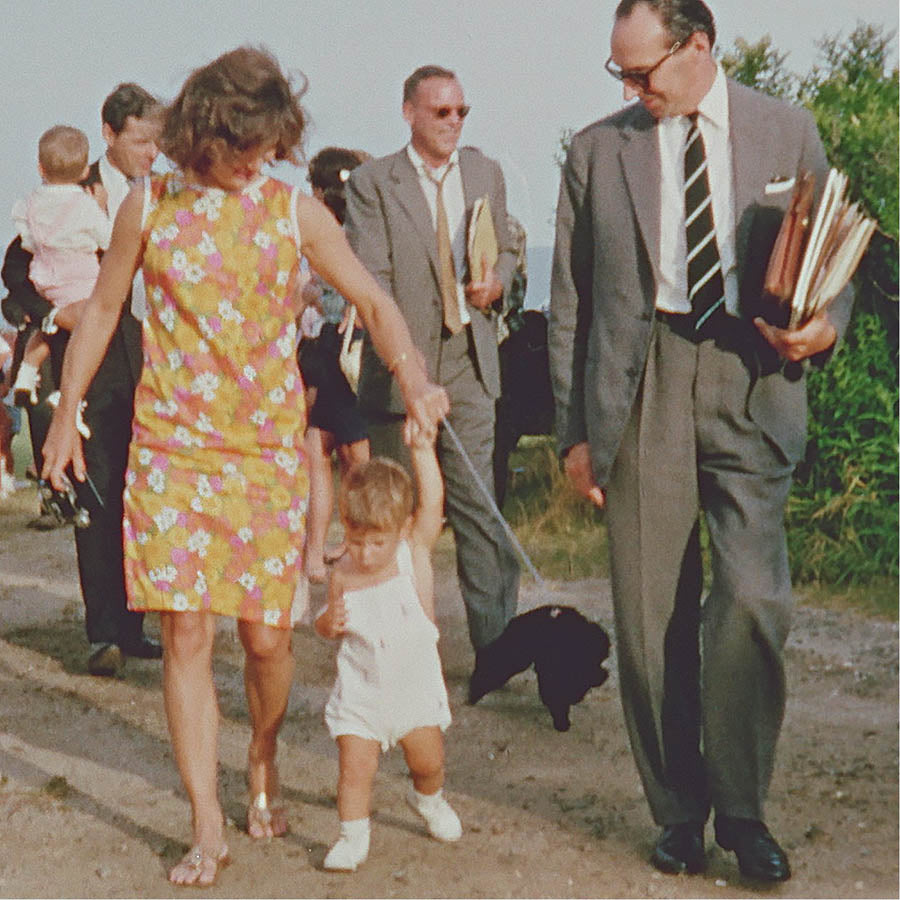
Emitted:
<point x="603" y="287"/>
<point x="389" y="226"/>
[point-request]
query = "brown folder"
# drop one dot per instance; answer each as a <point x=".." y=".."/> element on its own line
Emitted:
<point x="787" y="254"/>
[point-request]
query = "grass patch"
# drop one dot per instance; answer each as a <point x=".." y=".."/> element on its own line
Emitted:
<point x="564" y="535"/>
<point x="877" y="600"/>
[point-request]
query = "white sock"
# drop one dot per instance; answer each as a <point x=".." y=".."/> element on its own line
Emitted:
<point x="427" y="800"/>
<point x="354" y="829"/>
<point x="26" y="377"/>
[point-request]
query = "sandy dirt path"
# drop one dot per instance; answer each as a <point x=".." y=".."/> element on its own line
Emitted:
<point x="91" y="805"/>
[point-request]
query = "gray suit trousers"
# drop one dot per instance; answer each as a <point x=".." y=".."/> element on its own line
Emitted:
<point x="486" y="562"/>
<point x="703" y="686"/>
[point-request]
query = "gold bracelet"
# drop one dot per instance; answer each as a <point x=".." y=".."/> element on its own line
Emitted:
<point x="392" y="368"/>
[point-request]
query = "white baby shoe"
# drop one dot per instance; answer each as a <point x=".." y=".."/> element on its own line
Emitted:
<point x="26" y="387"/>
<point x="442" y="822"/>
<point x="352" y="847"/>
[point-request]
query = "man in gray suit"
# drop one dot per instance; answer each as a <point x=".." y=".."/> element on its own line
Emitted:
<point x="674" y="398"/>
<point x="407" y="219"/>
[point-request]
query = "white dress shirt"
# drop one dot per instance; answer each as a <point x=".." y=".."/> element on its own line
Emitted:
<point x="117" y="188"/>
<point x="455" y="208"/>
<point x="671" y="267"/>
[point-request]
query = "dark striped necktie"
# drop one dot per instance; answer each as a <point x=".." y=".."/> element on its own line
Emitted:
<point x="706" y="287"/>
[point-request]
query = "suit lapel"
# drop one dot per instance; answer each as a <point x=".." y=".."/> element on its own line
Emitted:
<point x="474" y="180"/>
<point x="640" y="160"/>
<point x="749" y="165"/>
<point x="408" y="193"/>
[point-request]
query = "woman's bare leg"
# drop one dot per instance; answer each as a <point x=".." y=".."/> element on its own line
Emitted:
<point x="193" y="715"/>
<point x="268" y="671"/>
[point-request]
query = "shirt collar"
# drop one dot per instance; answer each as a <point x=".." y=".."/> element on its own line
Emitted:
<point x="714" y="106"/>
<point x="109" y="173"/>
<point x="424" y="169"/>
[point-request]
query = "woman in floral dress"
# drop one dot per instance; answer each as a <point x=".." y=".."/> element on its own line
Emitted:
<point x="216" y="490"/>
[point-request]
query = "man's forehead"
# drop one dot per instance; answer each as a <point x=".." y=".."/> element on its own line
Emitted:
<point x="136" y="126"/>
<point x="437" y="84"/>
<point x="640" y="33"/>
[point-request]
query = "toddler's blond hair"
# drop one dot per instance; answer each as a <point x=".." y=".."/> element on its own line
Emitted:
<point x="376" y="495"/>
<point x="63" y="154"/>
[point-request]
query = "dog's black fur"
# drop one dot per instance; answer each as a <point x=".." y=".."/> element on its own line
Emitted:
<point x="567" y="651"/>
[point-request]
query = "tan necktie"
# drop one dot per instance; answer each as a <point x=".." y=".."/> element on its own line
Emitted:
<point x="452" y="321"/>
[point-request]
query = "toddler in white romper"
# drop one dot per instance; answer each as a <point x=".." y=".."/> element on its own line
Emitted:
<point x="389" y="688"/>
<point x="389" y="677"/>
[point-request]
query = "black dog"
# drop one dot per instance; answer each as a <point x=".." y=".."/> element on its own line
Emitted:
<point x="567" y="651"/>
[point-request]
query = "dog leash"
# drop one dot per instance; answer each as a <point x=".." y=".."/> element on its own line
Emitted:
<point x="493" y="504"/>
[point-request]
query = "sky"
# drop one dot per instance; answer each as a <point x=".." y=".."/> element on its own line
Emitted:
<point x="529" y="69"/>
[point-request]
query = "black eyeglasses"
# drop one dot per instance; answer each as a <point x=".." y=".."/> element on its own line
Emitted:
<point x="443" y="111"/>
<point x="640" y="78"/>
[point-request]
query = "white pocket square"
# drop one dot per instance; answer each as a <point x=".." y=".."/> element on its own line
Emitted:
<point x="781" y="185"/>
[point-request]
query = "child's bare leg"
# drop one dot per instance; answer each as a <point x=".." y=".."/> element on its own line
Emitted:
<point x="36" y="349"/>
<point x="28" y="379"/>
<point x="358" y="765"/>
<point x="320" y="501"/>
<point x="424" y="751"/>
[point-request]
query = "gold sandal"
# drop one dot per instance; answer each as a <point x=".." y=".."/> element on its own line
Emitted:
<point x="199" y="868"/>
<point x="266" y="818"/>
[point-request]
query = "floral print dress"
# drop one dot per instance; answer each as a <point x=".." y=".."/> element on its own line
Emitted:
<point x="216" y="490"/>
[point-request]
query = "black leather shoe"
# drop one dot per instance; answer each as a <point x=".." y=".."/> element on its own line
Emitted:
<point x="106" y="661"/>
<point x="759" y="856"/>
<point x="143" y="648"/>
<point x="680" y="849"/>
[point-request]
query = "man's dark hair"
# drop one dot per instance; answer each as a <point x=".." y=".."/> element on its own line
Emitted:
<point x="423" y="72"/>
<point x="128" y="99"/>
<point x="681" y="18"/>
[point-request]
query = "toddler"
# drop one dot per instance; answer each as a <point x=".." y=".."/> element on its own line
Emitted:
<point x="63" y="226"/>
<point x="389" y="688"/>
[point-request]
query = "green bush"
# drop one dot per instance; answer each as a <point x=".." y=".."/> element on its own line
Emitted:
<point x="843" y="511"/>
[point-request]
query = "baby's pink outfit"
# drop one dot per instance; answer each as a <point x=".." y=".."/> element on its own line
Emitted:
<point x="63" y="227"/>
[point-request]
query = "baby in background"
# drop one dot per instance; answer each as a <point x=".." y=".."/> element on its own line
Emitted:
<point x="390" y="688"/>
<point x="63" y="226"/>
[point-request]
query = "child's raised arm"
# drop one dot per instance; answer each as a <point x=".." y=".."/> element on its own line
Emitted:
<point x="333" y="621"/>
<point x="429" y="515"/>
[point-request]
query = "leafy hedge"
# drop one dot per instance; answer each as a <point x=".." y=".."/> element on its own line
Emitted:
<point x="843" y="511"/>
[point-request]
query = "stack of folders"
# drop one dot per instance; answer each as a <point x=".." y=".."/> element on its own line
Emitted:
<point x="813" y="260"/>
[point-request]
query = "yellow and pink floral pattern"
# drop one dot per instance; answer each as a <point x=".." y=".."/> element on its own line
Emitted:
<point x="217" y="488"/>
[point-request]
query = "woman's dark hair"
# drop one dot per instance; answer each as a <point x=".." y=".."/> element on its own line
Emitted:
<point x="238" y="101"/>
<point x="329" y="170"/>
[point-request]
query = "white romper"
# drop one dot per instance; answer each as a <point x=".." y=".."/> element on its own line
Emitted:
<point x="389" y="678"/>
